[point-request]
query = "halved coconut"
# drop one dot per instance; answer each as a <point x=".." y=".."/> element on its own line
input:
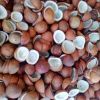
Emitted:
<point x="92" y="63"/>
<point x="15" y="37"/>
<point x="61" y="96"/>
<point x="3" y="12"/>
<point x="73" y="92"/>
<point x="71" y="98"/>
<point x="21" y="53"/>
<point x="68" y="47"/>
<point x="55" y="64"/>
<point x="58" y="15"/>
<point x="23" y="26"/>
<point x="79" y="42"/>
<point x="94" y="37"/>
<point x="82" y="85"/>
<point x="32" y="57"/>
<point x="52" y="4"/>
<point x="16" y="16"/>
<point x="94" y="26"/>
<point x="82" y="6"/>
<point x="74" y="13"/>
<point x="58" y="36"/>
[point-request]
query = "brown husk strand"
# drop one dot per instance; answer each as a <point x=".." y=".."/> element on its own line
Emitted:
<point x="49" y="49"/>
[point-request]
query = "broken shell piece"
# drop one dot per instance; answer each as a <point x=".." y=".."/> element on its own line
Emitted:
<point x="79" y="42"/>
<point x="82" y="6"/>
<point x="55" y="64"/>
<point x="92" y="63"/>
<point x="58" y="15"/>
<point x="3" y="37"/>
<point x="15" y="37"/>
<point x="3" y="12"/>
<point x="61" y="96"/>
<point x="8" y="26"/>
<point x="82" y="85"/>
<point x="23" y="26"/>
<point x="73" y="92"/>
<point x="68" y="47"/>
<point x="16" y="16"/>
<point x="27" y="3"/>
<point x="94" y="37"/>
<point x="58" y="36"/>
<point x="52" y="4"/>
<point x="33" y="57"/>
<point x="94" y="26"/>
<point x="21" y="53"/>
<point x="88" y="23"/>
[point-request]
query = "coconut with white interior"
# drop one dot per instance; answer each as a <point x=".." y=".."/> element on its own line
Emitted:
<point x="55" y="64"/>
<point x="58" y="36"/>
<point x="32" y="57"/>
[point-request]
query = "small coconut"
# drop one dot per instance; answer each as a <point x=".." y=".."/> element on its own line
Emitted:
<point x="82" y="6"/>
<point x="52" y="4"/>
<point x="94" y="37"/>
<point x="41" y="27"/>
<point x="79" y="42"/>
<point x="8" y="26"/>
<point x="94" y="26"/>
<point x="58" y="15"/>
<point x="82" y="85"/>
<point x="21" y="53"/>
<point x="61" y="96"/>
<point x="23" y="26"/>
<point x="49" y="15"/>
<point x="74" y="22"/>
<point x="15" y="37"/>
<point x="3" y="12"/>
<point x="3" y="37"/>
<point x="32" y="57"/>
<point x="73" y="92"/>
<point x="55" y="64"/>
<point x="58" y="36"/>
<point x="16" y="16"/>
<point x="92" y="63"/>
<point x="68" y="47"/>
